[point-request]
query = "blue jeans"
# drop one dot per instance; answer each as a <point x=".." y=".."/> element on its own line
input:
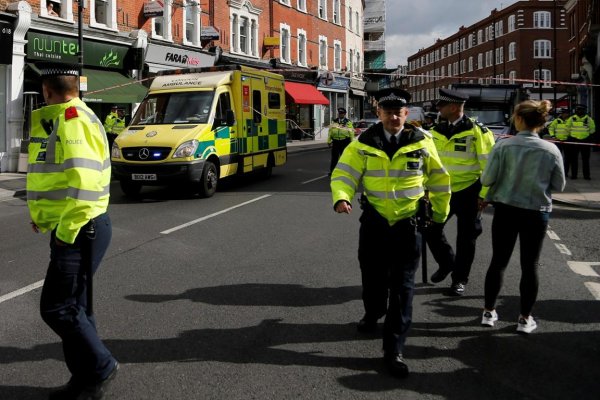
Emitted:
<point x="63" y="303"/>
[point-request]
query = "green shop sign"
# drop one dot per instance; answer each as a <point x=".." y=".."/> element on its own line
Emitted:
<point x="64" y="49"/>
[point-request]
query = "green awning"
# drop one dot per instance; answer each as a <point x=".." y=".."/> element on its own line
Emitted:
<point x="112" y="87"/>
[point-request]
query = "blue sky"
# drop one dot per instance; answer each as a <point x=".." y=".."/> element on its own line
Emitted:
<point x="415" y="24"/>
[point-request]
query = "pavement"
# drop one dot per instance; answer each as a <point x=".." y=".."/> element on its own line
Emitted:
<point x="579" y="192"/>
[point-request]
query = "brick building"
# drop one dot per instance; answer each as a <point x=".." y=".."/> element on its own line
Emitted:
<point x="524" y="43"/>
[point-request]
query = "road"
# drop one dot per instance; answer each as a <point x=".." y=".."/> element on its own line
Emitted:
<point x="255" y="293"/>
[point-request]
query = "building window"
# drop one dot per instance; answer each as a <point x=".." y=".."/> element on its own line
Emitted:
<point x="192" y="23"/>
<point x="351" y="60"/>
<point x="479" y="36"/>
<point x="244" y="29"/>
<point x="337" y="19"/>
<point x="322" y="51"/>
<point x="512" y="76"/>
<point x="302" y="5"/>
<point x="57" y="9"/>
<point x="358" y="68"/>
<point x="323" y="9"/>
<point x="488" y="58"/>
<point x="512" y="51"/>
<point x="542" y="19"/>
<point x="500" y="55"/>
<point x="349" y="18"/>
<point x="285" y="43"/>
<point x="285" y="2"/>
<point x="161" y="26"/>
<point x="337" y="55"/>
<point x="462" y="66"/>
<point x="542" y="48"/>
<point x="499" y="28"/>
<point x="103" y="14"/>
<point x="470" y="64"/>
<point x="479" y="60"/>
<point x="301" y="48"/>
<point x="546" y="77"/>
<point x="511" y="23"/>
<point x="357" y="20"/>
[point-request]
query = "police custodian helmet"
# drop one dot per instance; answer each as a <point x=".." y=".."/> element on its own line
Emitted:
<point x="392" y="98"/>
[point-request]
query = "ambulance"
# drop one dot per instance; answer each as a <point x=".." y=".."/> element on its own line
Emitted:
<point x="197" y="126"/>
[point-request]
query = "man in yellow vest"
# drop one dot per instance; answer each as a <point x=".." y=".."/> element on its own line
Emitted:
<point x="114" y="124"/>
<point x="463" y="146"/>
<point x="581" y="127"/>
<point x="395" y="163"/>
<point x="558" y="131"/>
<point x="68" y="180"/>
<point x="341" y="133"/>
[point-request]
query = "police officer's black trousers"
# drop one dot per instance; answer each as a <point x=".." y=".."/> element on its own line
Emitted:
<point x="582" y="147"/>
<point x="337" y="148"/>
<point x="389" y="257"/>
<point x="463" y="204"/>
<point x="63" y="304"/>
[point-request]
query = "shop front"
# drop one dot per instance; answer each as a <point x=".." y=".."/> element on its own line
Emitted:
<point x="6" y="42"/>
<point x="336" y="91"/>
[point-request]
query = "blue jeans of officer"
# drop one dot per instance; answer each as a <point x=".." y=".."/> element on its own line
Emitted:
<point x="389" y="257"/>
<point x="63" y="304"/>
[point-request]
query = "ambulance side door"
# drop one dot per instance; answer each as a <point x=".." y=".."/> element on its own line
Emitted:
<point x="252" y="101"/>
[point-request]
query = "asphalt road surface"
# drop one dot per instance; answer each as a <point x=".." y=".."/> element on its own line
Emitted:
<point x="255" y="293"/>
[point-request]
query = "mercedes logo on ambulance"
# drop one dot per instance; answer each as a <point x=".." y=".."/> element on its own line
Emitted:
<point x="144" y="153"/>
<point x="151" y="134"/>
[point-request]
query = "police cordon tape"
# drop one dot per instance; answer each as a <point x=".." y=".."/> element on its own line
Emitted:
<point x="556" y="141"/>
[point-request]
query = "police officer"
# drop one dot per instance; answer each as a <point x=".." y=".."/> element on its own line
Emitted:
<point x="395" y="163"/>
<point x="581" y="127"/>
<point x="114" y="124"/>
<point x="463" y="146"/>
<point x="430" y="120"/>
<point x="341" y="133"/>
<point x="110" y="119"/>
<point x="557" y="129"/>
<point x="68" y="182"/>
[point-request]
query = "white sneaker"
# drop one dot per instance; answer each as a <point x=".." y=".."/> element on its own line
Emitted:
<point x="489" y="317"/>
<point x="526" y="325"/>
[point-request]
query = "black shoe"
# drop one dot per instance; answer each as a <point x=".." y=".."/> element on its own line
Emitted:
<point x="396" y="365"/>
<point x="77" y="391"/>
<point x="367" y="326"/>
<point x="457" y="289"/>
<point x="440" y="275"/>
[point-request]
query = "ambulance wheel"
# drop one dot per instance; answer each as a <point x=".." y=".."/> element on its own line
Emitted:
<point x="210" y="177"/>
<point x="131" y="189"/>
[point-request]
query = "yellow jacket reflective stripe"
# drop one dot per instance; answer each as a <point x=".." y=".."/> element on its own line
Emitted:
<point x="580" y="127"/>
<point x="69" y="171"/>
<point x="340" y="130"/>
<point x="464" y="154"/>
<point x="393" y="187"/>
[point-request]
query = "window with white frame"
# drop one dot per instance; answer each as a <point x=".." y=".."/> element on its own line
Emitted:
<point x="351" y="60"/>
<point x="103" y="14"/>
<point x="488" y="58"/>
<point x="244" y="28"/>
<point x="542" y="48"/>
<point x="542" y="19"/>
<point x="57" y="9"/>
<point x="286" y="2"/>
<point x="322" y="51"/>
<point x="449" y="69"/>
<point x="442" y="72"/>
<point x="512" y="51"/>
<point x="479" y="60"/>
<point x="512" y="23"/>
<point x="337" y="18"/>
<point x="301" y="5"/>
<point x="192" y="23"/>
<point x="161" y="26"/>
<point x="471" y="40"/>
<point x="337" y="55"/>
<point x="500" y="55"/>
<point x="358" y="68"/>
<point x="357" y="20"/>
<point x="302" y="47"/>
<point x="285" y="39"/>
<point x="470" y="64"/>
<point x="463" y="64"/>
<point x="499" y="28"/>
<point x="545" y="78"/>
<point x="349" y="22"/>
<point x="323" y="9"/>
<point x="512" y="76"/>
<point x="479" y="36"/>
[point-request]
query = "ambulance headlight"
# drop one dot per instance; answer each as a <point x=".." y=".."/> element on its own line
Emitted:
<point x="186" y="149"/>
<point x="114" y="151"/>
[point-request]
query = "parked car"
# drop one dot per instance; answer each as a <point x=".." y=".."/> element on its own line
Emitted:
<point x="363" y="125"/>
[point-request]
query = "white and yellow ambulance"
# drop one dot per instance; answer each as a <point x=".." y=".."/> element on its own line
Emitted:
<point x="199" y="125"/>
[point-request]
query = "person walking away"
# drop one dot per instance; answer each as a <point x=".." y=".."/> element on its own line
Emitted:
<point x="68" y="181"/>
<point x="558" y="131"/>
<point x="463" y="146"/>
<point x="522" y="173"/>
<point x="395" y="163"/>
<point x="341" y="133"/>
<point x="581" y="128"/>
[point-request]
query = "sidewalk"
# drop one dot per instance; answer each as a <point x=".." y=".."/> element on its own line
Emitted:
<point x="579" y="193"/>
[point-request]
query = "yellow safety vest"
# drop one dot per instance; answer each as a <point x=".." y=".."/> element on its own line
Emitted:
<point x="464" y="154"/>
<point x="580" y="127"/>
<point x="109" y="121"/>
<point x="558" y="129"/>
<point x="118" y="126"/>
<point x="393" y="187"/>
<point x="340" y="130"/>
<point x="68" y="175"/>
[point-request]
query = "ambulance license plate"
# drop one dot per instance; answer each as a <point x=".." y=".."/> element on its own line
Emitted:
<point x="143" y="177"/>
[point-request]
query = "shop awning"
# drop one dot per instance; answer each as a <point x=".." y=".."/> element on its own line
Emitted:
<point x="303" y="93"/>
<point x="112" y="87"/>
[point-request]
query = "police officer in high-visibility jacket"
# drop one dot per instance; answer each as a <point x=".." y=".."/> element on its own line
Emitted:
<point x="463" y="146"/>
<point x="396" y="163"/>
<point x="557" y="129"/>
<point x="68" y="180"/>
<point x="341" y="133"/>
<point x="581" y="127"/>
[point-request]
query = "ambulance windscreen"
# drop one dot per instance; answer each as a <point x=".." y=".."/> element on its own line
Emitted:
<point x="175" y="108"/>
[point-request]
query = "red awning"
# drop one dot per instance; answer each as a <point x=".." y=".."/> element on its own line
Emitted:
<point x="303" y="93"/>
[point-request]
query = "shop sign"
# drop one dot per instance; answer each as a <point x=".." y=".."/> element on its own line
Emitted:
<point x="6" y="41"/>
<point x="339" y="83"/>
<point x="300" y="75"/>
<point x="174" y="56"/>
<point x="44" y="47"/>
<point x="357" y="84"/>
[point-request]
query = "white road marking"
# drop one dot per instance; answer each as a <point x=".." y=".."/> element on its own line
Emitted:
<point x="552" y="235"/>
<point x="594" y="288"/>
<point x="315" y="179"/>
<point x="584" y="268"/>
<point x="213" y="215"/>
<point x="563" y="249"/>
<point x="21" y="291"/>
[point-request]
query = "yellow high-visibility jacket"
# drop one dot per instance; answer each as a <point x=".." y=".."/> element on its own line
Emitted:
<point x="464" y="153"/>
<point x="393" y="187"/>
<point x="580" y="127"/>
<point x="558" y="129"/>
<point x="68" y="175"/>
<point x="109" y="121"/>
<point x="340" y="129"/>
